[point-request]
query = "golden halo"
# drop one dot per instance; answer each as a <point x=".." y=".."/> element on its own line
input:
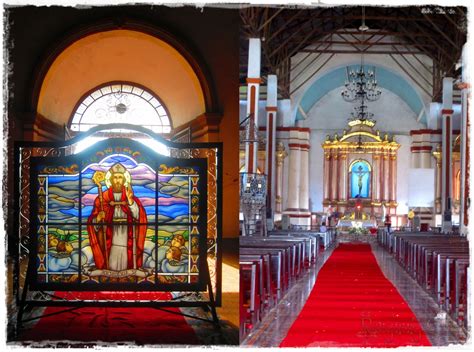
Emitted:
<point x="126" y="174"/>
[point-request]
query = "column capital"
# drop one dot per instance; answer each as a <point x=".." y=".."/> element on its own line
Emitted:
<point x="254" y="80"/>
<point x="447" y="112"/>
<point x="281" y="153"/>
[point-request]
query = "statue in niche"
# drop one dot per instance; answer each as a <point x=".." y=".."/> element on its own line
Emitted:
<point x="360" y="174"/>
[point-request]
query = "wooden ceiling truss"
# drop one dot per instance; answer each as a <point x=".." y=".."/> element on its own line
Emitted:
<point x="408" y="35"/>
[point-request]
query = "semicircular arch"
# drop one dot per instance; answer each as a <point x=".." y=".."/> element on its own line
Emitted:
<point x="134" y="53"/>
<point x="334" y="79"/>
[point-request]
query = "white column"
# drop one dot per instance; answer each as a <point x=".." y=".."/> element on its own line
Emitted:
<point x="446" y="176"/>
<point x="465" y="169"/>
<point x="342" y="177"/>
<point x="293" y="178"/>
<point x="393" y="160"/>
<point x="304" y="178"/>
<point x="304" y="212"/>
<point x="386" y="177"/>
<point x="253" y="87"/>
<point x="326" y="180"/>
<point x="281" y="154"/>
<point x="437" y="186"/>
<point x="271" y="141"/>
<point x="334" y="180"/>
<point x="377" y="173"/>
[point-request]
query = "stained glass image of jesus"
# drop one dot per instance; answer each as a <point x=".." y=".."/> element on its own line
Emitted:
<point x="117" y="224"/>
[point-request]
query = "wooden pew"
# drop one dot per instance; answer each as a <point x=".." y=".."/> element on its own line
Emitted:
<point x="277" y="268"/>
<point x="439" y="263"/>
<point x="289" y="248"/>
<point x="300" y="255"/>
<point x="262" y="261"/>
<point x="248" y="296"/>
<point x="310" y="244"/>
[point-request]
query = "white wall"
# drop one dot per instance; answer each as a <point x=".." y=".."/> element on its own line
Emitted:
<point x="434" y="116"/>
<point x="392" y="114"/>
<point x="421" y="185"/>
<point x="316" y="172"/>
<point x="403" y="167"/>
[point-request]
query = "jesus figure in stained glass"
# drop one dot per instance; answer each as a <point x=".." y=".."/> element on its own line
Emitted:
<point x="117" y="224"/>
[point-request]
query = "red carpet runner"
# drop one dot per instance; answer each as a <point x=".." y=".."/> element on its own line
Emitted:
<point x="137" y="325"/>
<point x="353" y="304"/>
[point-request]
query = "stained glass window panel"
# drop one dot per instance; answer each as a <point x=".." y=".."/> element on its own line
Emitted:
<point x="115" y="215"/>
<point x="174" y="198"/>
<point x="121" y="103"/>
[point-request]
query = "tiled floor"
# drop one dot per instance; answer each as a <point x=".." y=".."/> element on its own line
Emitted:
<point x="277" y="322"/>
<point x="441" y="332"/>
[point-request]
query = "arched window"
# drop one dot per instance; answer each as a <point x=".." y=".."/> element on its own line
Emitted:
<point x="121" y="103"/>
<point x="359" y="173"/>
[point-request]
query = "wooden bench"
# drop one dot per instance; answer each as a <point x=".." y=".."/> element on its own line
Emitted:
<point x="290" y="249"/>
<point x="438" y="262"/>
<point x="248" y="296"/>
<point x="264" y="288"/>
<point x="277" y="265"/>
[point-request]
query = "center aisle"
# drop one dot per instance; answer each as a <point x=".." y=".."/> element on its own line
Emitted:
<point x="353" y="304"/>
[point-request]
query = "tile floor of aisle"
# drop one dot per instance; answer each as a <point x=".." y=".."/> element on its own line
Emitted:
<point x="277" y="322"/>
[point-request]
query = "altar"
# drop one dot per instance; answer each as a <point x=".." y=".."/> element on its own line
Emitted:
<point x="360" y="170"/>
<point x="367" y="224"/>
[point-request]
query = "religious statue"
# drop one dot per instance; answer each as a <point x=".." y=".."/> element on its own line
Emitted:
<point x="117" y="224"/>
<point x="360" y="174"/>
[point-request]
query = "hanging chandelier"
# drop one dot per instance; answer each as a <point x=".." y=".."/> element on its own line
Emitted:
<point x="361" y="112"/>
<point x="361" y="84"/>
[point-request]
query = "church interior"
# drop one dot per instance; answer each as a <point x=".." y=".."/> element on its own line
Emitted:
<point x="262" y="176"/>
<point x="121" y="185"/>
<point x="354" y="176"/>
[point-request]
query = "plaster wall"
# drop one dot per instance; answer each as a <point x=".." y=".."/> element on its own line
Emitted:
<point x="392" y="114"/>
<point x="121" y="55"/>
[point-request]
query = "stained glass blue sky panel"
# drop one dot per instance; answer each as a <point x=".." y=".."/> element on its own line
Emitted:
<point x="173" y="201"/>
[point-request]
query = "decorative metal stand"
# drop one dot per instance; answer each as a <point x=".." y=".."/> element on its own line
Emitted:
<point x="253" y="186"/>
<point x="201" y="163"/>
<point x="253" y="192"/>
<point x="46" y="299"/>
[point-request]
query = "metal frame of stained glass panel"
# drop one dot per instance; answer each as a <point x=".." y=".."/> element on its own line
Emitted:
<point x="29" y="155"/>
